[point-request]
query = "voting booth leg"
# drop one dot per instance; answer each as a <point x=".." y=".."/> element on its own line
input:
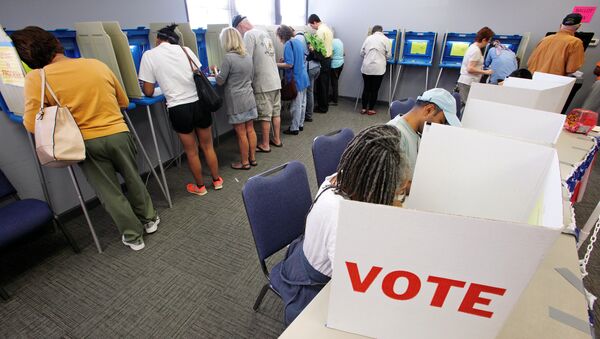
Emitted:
<point x="261" y="296"/>
<point x="357" y="97"/>
<point x="396" y="82"/>
<point x="84" y="208"/>
<point x="40" y="172"/>
<point x="426" y="78"/>
<point x="390" y="94"/>
<point x="439" y="76"/>
<point x="145" y="154"/>
<point x="160" y="164"/>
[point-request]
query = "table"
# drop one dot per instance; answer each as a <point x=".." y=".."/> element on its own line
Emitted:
<point x="530" y="318"/>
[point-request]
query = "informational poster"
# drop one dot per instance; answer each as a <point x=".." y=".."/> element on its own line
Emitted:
<point x="459" y="49"/>
<point x="418" y="47"/>
<point x="587" y="12"/>
<point x="11" y="72"/>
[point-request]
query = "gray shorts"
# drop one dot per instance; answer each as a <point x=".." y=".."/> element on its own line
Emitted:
<point x="268" y="104"/>
<point x="244" y="117"/>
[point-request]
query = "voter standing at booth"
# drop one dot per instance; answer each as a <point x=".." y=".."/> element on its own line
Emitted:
<point x="322" y="84"/>
<point x="236" y="75"/>
<point x="95" y="97"/>
<point x="372" y="170"/>
<point x="337" y="66"/>
<point x="376" y="50"/>
<point x="471" y="69"/>
<point x="502" y="61"/>
<point x="170" y="65"/>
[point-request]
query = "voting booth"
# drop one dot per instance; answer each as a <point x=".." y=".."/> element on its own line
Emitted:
<point x="416" y="49"/>
<point x="213" y="44"/>
<point x="453" y="50"/>
<point x="201" y="43"/>
<point x="68" y="39"/>
<point x="544" y="92"/>
<point x="454" y="262"/>
<point x="513" y="121"/>
<point x="138" y="43"/>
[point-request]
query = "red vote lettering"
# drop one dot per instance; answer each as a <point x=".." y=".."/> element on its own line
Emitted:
<point x="357" y="284"/>
<point x="441" y="291"/>
<point x="414" y="285"/>
<point x="472" y="297"/>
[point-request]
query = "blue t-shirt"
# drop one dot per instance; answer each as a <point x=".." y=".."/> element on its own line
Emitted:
<point x="337" y="58"/>
<point x="502" y="64"/>
<point x="293" y="54"/>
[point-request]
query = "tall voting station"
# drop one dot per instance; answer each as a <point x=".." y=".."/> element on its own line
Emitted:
<point x="399" y="170"/>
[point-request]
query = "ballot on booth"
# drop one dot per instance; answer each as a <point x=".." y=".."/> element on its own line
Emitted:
<point x="513" y="121"/>
<point x="443" y="270"/>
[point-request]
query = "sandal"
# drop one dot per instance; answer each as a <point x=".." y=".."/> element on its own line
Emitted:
<point x="363" y="111"/>
<point x="253" y="163"/>
<point x="371" y="112"/>
<point x="262" y="150"/>
<point x="272" y="143"/>
<point x="240" y="166"/>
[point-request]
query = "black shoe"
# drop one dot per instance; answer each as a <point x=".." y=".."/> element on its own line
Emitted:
<point x="333" y="104"/>
<point x="301" y="128"/>
<point x="290" y="132"/>
<point x="319" y="110"/>
<point x="307" y="119"/>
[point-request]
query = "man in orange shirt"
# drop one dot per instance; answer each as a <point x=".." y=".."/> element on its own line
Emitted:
<point x="561" y="53"/>
<point x="593" y="99"/>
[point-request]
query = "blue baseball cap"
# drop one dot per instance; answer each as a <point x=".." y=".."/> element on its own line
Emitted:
<point x="445" y="101"/>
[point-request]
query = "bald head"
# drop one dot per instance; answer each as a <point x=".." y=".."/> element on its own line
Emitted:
<point x="244" y="26"/>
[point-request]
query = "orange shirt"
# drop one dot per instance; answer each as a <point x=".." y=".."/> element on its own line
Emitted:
<point x="560" y="54"/>
<point x="88" y="88"/>
<point x="598" y="65"/>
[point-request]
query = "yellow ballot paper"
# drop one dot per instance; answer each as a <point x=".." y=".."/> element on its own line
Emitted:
<point x="418" y="47"/>
<point x="11" y="72"/>
<point x="459" y="49"/>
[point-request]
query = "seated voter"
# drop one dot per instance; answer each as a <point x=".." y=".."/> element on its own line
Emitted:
<point x="372" y="169"/>
<point x="435" y="105"/>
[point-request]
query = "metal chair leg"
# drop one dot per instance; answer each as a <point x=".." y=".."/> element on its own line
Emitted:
<point x="3" y="294"/>
<point x="67" y="235"/>
<point x="261" y="296"/>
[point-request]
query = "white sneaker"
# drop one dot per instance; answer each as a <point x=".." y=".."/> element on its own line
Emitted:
<point x="152" y="226"/>
<point x="136" y="245"/>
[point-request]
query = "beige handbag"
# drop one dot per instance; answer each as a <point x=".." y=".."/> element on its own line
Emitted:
<point x="58" y="140"/>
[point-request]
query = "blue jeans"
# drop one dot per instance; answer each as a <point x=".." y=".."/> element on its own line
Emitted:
<point x="298" y="110"/>
<point x="310" y="97"/>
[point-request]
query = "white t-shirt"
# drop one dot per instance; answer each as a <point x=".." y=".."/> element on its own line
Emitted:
<point x="321" y="229"/>
<point x="168" y="65"/>
<point x="409" y="141"/>
<point x="375" y="51"/>
<point x="473" y="54"/>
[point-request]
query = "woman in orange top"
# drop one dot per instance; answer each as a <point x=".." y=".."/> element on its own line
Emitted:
<point x="94" y="96"/>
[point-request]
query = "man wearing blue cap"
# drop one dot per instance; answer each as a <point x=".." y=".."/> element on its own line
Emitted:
<point x="435" y="105"/>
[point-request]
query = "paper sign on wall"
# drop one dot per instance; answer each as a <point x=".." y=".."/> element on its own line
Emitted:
<point x="11" y="72"/>
<point x="418" y="47"/>
<point x="513" y="121"/>
<point x="587" y="12"/>
<point x="412" y="274"/>
<point x="459" y="49"/>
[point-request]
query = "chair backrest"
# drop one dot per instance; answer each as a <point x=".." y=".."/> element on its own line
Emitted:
<point x="401" y="107"/>
<point x="6" y="188"/>
<point x="277" y="202"/>
<point x="327" y="151"/>
<point x="459" y="112"/>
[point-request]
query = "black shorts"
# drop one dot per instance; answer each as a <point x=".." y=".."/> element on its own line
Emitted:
<point x="187" y="117"/>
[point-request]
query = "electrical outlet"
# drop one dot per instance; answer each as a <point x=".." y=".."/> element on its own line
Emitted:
<point x="594" y="42"/>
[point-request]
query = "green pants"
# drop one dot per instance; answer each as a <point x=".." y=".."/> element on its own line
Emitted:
<point x="105" y="157"/>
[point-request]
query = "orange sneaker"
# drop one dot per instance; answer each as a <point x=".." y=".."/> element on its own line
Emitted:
<point x="371" y="112"/>
<point x="194" y="189"/>
<point x="218" y="184"/>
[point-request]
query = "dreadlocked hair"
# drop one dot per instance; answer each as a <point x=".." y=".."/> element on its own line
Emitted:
<point x="168" y="34"/>
<point x="373" y="166"/>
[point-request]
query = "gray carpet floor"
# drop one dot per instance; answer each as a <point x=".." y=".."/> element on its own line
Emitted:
<point x="198" y="275"/>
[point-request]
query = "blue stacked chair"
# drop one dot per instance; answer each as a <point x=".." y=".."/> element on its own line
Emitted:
<point x="21" y="217"/>
<point x="327" y="151"/>
<point x="401" y="107"/>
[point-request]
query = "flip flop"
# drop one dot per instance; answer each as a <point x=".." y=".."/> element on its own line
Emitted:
<point x="240" y="166"/>
<point x="253" y="163"/>
<point x="272" y="143"/>
<point x="262" y="150"/>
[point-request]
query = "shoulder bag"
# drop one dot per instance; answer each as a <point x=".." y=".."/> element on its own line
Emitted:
<point x="209" y="99"/>
<point x="58" y="140"/>
<point x="288" y="87"/>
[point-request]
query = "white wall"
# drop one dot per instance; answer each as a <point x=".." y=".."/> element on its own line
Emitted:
<point x="351" y="18"/>
<point x="52" y="14"/>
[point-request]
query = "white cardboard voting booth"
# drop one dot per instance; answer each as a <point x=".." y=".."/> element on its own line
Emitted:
<point x="454" y="262"/>
<point x="540" y="93"/>
<point x="513" y="121"/>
